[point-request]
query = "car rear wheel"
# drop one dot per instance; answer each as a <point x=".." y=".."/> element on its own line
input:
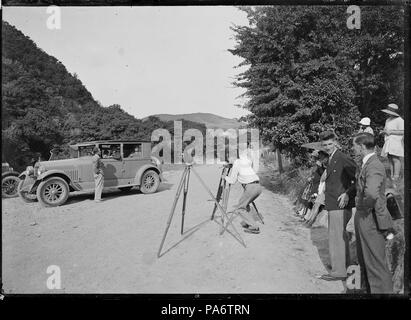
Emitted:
<point x="53" y="192"/>
<point x="149" y="182"/>
<point x="24" y="195"/>
<point x="9" y="186"/>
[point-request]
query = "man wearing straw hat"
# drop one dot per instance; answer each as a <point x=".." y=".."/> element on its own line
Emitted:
<point x="365" y="124"/>
<point x="394" y="140"/>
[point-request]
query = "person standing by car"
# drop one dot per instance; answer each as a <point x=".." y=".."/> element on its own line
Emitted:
<point x="98" y="174"/>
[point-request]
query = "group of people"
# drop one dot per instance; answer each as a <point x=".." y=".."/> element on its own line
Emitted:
<point x="393" y="132"/>
<point x="353" y="193"/>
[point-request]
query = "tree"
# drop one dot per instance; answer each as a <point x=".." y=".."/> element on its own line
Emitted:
<point x="306" y="70"/>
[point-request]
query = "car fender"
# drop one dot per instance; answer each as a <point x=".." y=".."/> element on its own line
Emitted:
<point x="23" y="175"/>
<point x="10" y="173"/>
<point x="139" y="174"/>
<point x="55" y="173"/>
<point x="28" y="181"/>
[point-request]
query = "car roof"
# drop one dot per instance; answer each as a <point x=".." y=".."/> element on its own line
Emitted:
<point x="92" y="143"/>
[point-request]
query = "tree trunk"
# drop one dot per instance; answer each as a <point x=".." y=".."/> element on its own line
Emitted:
<point x="280" y="161"/>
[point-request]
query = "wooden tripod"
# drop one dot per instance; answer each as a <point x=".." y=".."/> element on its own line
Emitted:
<point x="183" y="186"/>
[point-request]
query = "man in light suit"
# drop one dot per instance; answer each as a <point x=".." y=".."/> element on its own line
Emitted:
<point x="339" y="200"/>
<point x="98" y="174"/>
<point x="372" y="220"/>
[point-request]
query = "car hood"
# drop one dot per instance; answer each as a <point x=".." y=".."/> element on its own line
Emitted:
<point x="56" y="164"/>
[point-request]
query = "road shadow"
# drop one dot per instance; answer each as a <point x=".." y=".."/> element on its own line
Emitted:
<point x="189" y="232"/>
<point x="186" y="234"/>
<point x="319" y="238"/>
<point x="112" y="194"/>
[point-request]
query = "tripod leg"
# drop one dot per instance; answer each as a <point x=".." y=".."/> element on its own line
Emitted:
<point x="183" y="212"/>
<point x="170" y="217"/>
<point x="260" y="216"/>
<point x="223" y="213"/>
<point x="219" y="192"/>
<point x="226" y="193"/>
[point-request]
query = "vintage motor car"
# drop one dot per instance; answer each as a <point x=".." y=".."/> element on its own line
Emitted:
<point x="9" y="181"/>
<point x="127" y="164"/>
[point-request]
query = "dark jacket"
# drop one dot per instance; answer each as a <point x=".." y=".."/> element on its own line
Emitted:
<point x="371" y="197"/>
<point x="340" y="179"/>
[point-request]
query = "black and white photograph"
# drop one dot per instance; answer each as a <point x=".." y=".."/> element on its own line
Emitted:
<point x="205" y="149"/>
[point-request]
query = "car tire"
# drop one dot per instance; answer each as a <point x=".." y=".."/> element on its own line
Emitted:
<point x="149" y="182"/>
<point x="53" y="192"/>
<point x="24" y="195"/>
<point x="9" y="186"/>
<point x="125" y="189"/>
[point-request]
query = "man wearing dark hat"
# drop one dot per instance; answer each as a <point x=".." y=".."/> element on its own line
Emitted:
<point x="394" y="140"/>
<point x="98" y="174"/>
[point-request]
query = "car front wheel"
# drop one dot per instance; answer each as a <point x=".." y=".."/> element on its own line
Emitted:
<point x="9" y="186"/>
<point x="53" y="192"/>
<point x="149" y="182"/>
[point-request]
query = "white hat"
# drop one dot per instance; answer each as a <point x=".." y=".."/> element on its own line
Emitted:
<point x="365" y="121"/>
<point x="392" y="110"/>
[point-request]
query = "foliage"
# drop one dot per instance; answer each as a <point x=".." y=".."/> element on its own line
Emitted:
<point x="307" y="72"/>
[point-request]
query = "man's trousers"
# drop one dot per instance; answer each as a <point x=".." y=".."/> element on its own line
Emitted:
<point x="375" y="273"/>
<point x="338" y="241"/>
<point x="99" y="183"/>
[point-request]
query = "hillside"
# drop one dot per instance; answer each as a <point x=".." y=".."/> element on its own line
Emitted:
<point x="45" y="106"/>
<point x="210" y="120"/>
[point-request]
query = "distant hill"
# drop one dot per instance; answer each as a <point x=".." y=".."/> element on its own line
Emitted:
<point x="210" y="120"/>
<point x="44" y="106"/>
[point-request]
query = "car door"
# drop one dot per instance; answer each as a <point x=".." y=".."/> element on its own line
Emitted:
<point x="112" y="164"/>
<point x="134" y="158"/>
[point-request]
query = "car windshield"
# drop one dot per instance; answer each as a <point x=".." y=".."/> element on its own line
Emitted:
<point x="60" y="153"/>
<point x="85" y="151"/>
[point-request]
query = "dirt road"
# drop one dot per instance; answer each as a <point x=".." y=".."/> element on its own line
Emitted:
<point x="111" y="247"/>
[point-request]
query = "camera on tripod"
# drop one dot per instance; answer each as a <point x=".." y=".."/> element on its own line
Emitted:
<point x="228" y="165"/>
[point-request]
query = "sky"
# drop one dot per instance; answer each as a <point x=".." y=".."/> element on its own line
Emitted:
<point x="149" y="60"/>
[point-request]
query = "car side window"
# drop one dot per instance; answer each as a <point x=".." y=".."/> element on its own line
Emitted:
<point x="133" y="150"/>
<point x="85" y="151"/>
<point x="110" y="151"/>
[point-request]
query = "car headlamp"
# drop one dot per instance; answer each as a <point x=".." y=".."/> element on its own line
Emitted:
<point x="30" y="170"/>
<point x="156" y="161"/>
<point x="40" y="170"/>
